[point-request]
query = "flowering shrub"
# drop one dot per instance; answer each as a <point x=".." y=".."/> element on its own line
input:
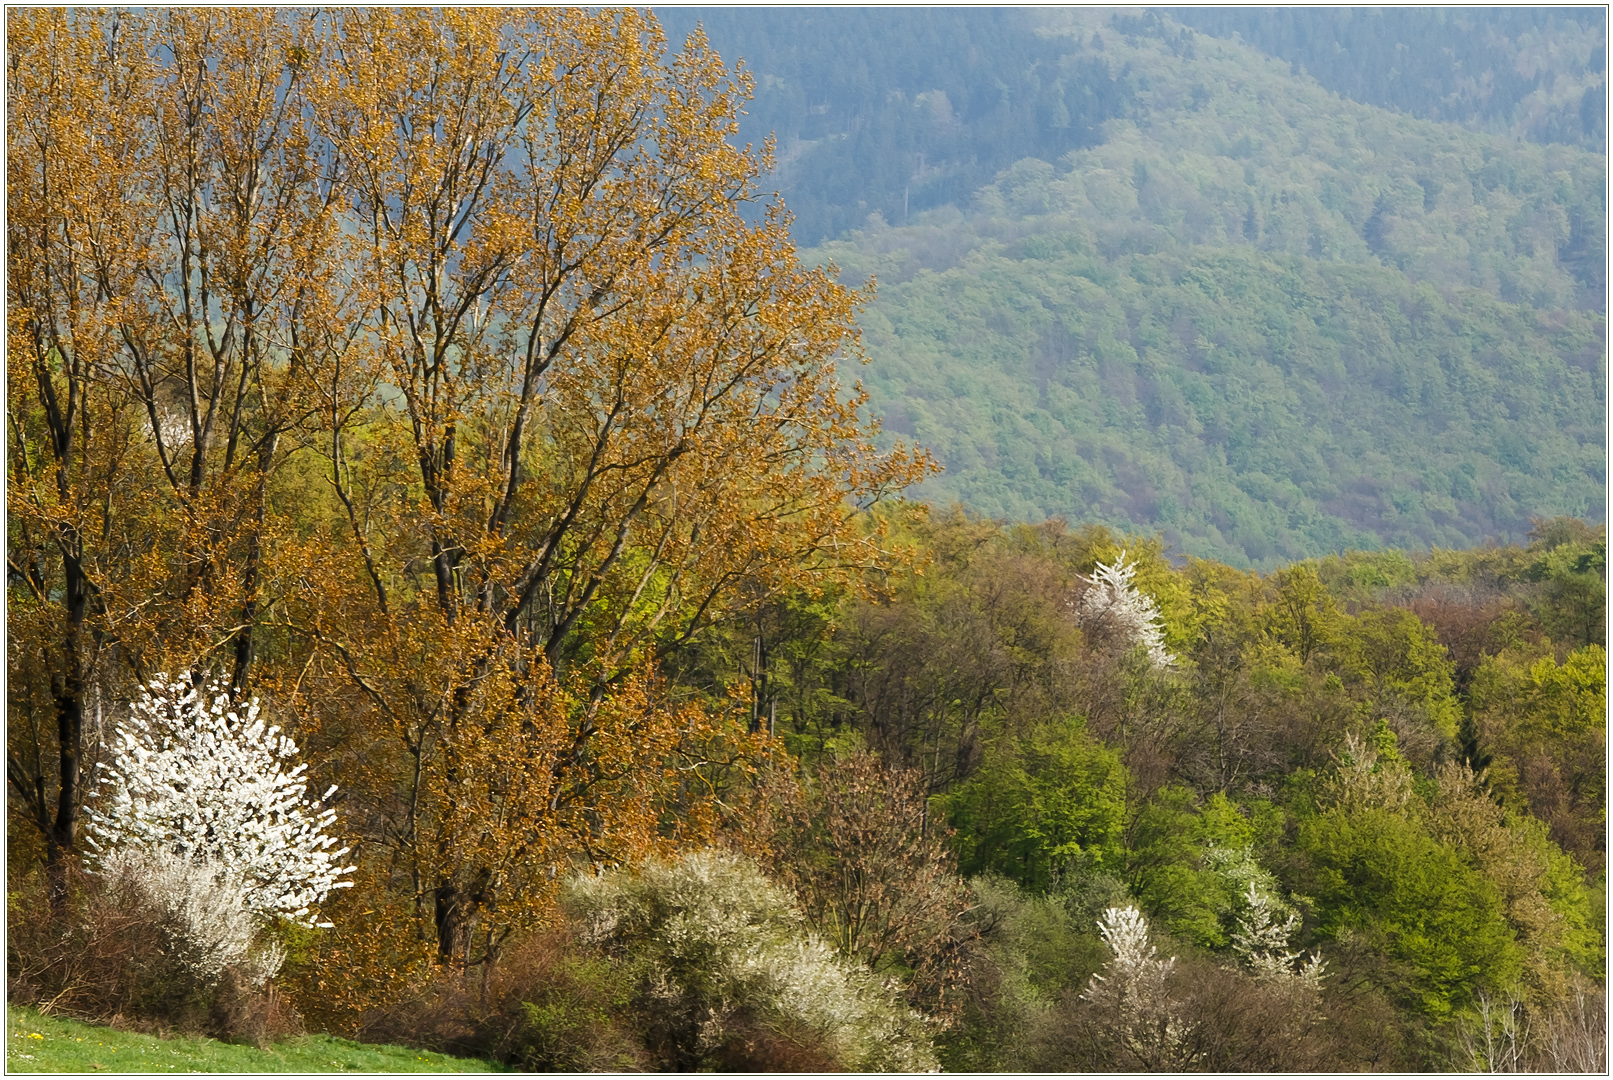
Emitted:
<point x="721" y="947"/>
<point x="1262" y="942"/>
<point x="202" y="911"/>
<point x="1145" y="1024"/>
<point x="193" y="781"/>
<point x="1114" y="601"/>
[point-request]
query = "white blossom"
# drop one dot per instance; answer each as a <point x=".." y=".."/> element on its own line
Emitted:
<point x="1262" y="942"/>
<point x="194" y="780"/>
<point x="202" y="908"/>
<point x="1147" y="1022"/>
<point x="172" y="427"/>
<point x="1112" y="600"/>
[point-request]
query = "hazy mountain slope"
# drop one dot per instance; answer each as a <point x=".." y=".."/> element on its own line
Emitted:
<point x="1536" y="73"/>
<point x="1202" y="292"/>
<point x="1253" y="407"/>
<point x="898" y="110"/>
<point x="1264" y="320"/>
<point x="1228" y="147"/>
<point x="891" y="111"/>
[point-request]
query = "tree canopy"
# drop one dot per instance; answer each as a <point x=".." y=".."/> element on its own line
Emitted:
<point x="419" y="370"/>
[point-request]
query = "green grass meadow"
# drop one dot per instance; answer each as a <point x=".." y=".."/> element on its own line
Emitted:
<point x="38" y="1043"/>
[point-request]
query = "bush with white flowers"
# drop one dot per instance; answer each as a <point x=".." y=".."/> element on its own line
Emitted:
<point x="718" y="942"/>
<point x="1112" y="600"/>
<point x="192" y="779"/>
<point x="202" y="911"/>
<point x="1144" y="1022"/>
<point x="1262" y="940"/>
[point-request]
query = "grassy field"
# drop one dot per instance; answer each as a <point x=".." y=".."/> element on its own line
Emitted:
<point x="36" y="1043"/>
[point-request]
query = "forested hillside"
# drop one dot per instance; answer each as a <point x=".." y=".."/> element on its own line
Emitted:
<point x="891" y="111"/>
<point x="1394" y="758"/>
<point x="1535" y="72"/>
<point x="457" y="598"/>
<point x="1252" y="407"/>
<point x="1259" y="319"/>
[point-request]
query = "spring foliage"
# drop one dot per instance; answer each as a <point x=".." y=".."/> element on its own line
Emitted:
<point x="419" y="372"/>
<point x="422" y="366"/>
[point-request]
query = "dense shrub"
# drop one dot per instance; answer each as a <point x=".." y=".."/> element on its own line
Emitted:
<point x="1029" y="948"/>
<point x="1187" y="1012"/>
<point x="126" y="949"/>
<point x="551" y="1004"/>
<point x="200" y="907"/>
<point x="190" y="778"/>
<point x="722" y="959"/>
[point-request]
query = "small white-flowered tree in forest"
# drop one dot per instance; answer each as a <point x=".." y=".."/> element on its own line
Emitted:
<point x="204" y="811"/>
<point x="1143" y="1022"/>
<point x="1261" y="940"/>
<point x="1112" y="600"/>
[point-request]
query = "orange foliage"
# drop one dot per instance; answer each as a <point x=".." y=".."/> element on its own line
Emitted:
<point x="418" y="369"/>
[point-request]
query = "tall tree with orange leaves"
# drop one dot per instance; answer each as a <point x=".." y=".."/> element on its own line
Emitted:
<point x="603" y="401"/>
<point x="170" y="315"/>
<point x="435" y="384"/>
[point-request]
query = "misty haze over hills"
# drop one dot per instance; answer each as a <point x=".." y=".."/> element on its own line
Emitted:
<point x="1231" y="275"/>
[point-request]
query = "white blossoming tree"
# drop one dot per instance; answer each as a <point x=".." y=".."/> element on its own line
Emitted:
<point x="196" y="791"/>
<point x="1261" y="940"/>
<point x="203" y="912"/>
<point x="1112" y="600"/>
<point x="1143" y="1021"/>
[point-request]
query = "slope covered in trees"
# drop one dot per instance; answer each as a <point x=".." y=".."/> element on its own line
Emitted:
<point x="870" y="119"/>
<point x="1260" y="319"/>
<point x="1391" y="760"/>
<point x="402" y="411"/>
<point x="1253" y="407"/>
<point x="1536" y="72"/>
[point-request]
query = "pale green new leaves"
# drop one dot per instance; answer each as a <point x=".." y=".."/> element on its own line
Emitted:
<point x="722" y="940"/>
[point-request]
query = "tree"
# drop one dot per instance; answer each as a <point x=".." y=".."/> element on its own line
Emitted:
<point x="1262" y="943"/>
<point x="199" y="813"/>
<point x="614" y="395"/>
<point x="1111" y="602"/>
<point x="1547" y="725"/>
<point x="1399" y="659"/>
<point x="1304" y="616"/>
<point x="192" y="778"/>
<point x="1381" y="878"/>
<point x="604" y="403"/>
<point x="487" y="273"/>
<point x="1042" y="805"/>
<point x="872" y="872"/>
<point x="171" y="308"/>
<point x="1542" y="890"/>
<point x="1132" y="1000"/>
<point x="1573" y="606"/>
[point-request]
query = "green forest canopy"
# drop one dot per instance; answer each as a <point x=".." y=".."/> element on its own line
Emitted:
<point x="1257" y="318"/>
